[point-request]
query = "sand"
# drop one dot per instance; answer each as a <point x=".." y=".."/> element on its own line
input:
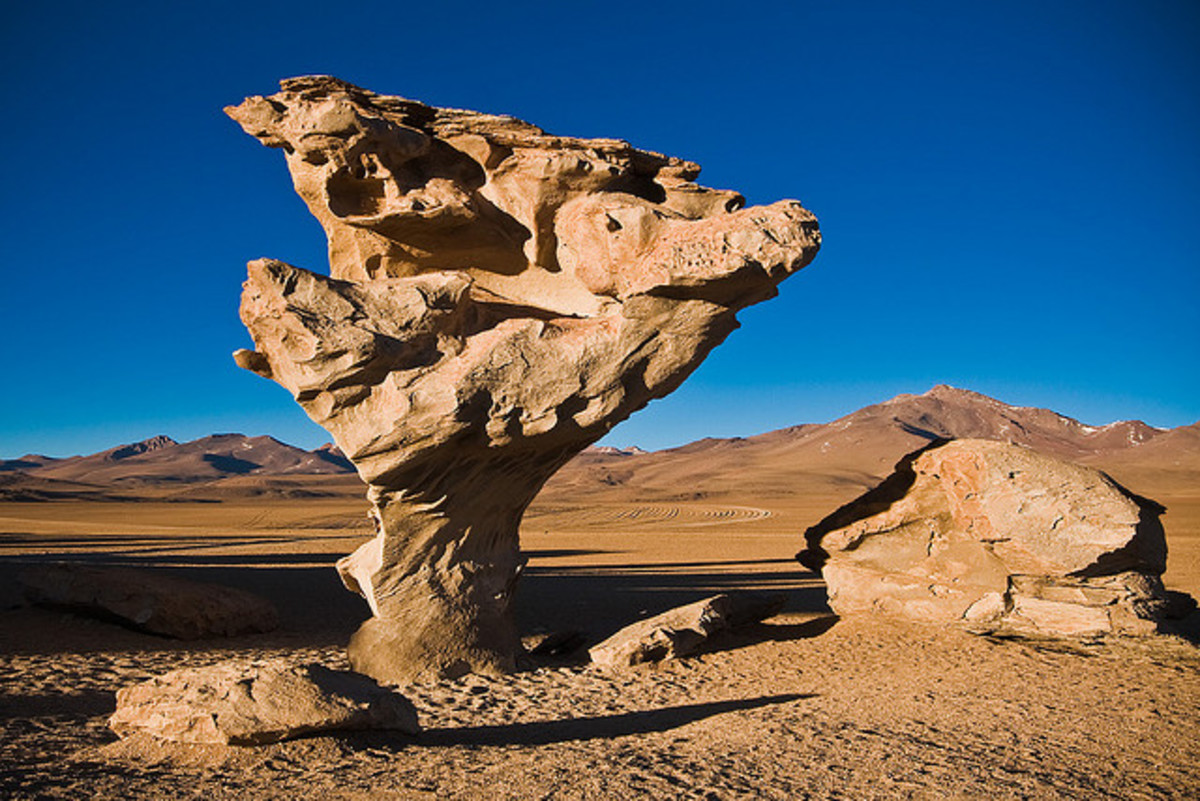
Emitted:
<point x="803" y="705"/>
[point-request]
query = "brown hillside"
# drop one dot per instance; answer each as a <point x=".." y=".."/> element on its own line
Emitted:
<point x="161" y="460"/>
<point x="851" y="454"/>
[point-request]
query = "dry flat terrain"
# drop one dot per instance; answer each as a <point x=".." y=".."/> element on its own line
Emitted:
<point x="804" y="705"/>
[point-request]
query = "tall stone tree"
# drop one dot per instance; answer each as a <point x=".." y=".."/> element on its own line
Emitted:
<point x="498" y="299"/>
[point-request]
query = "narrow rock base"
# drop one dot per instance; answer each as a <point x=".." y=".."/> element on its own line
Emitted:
<point x="399" y="652"/>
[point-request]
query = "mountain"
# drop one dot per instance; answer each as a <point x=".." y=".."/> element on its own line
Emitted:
<point x="836" y="460"/>
<point x="138" y="448"/>
<point x="609" y="450"/>
<point x="853" y="453"/>
<point x="18" y="486"/>
<point x="163" y="461"/>
<point x="29" y="461"/>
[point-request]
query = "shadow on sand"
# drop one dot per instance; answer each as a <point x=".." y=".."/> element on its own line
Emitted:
<point x="316" y="608"/>
<point x="600" y="601"/>
<point x="603" y="726"/>
<point x="770" y="632"/>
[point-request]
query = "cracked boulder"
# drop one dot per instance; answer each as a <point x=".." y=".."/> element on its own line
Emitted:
<point x="998" y="538"/>
<point x="498" y="298"/>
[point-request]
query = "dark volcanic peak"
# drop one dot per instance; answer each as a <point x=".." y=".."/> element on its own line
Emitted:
<point x="217" y="439"/>
<point x="137" y="448"/>
<point x="334" y="455"/>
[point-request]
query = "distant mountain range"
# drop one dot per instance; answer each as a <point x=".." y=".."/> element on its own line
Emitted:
<point x="853" y="453"/>
<point x="162" y="463"/>
<point x="847" y="455"/>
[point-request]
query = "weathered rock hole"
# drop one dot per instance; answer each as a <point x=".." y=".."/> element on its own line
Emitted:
<point x="641" y="186"/>
<point x="351" y="197"/>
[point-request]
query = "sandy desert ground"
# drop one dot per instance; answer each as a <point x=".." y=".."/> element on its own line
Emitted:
<point x="804" y="705"/>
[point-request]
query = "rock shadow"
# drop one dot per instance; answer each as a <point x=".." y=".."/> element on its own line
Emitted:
<point x="316" y="609"/>
<point x="602" y="600"/>
<point x="769" y="632"/>
<point x="599" y="727"/>
<point x="1187" y="626"/>
<point x="79" y="704"/>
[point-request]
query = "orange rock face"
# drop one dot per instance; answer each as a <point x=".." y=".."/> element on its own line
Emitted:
<point x="498" y="299"/>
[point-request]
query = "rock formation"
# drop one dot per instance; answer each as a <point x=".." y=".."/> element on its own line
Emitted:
<point x="149" y="601"/>
<point x="254" y="703"/>
<point x="999" y="538"/>
<point x="499" y="298"/>
<point x="685" y="629"/>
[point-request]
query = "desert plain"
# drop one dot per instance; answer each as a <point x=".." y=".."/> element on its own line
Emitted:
<point x="802" y="705"/>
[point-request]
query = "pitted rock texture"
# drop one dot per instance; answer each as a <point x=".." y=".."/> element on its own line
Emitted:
<point x="253" y="703"/>
<point x="498" y="299"/>
<point x="998" y="538"/>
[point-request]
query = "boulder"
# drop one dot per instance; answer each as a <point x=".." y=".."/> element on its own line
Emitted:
<point x="998" y="538"/>
<point x="149" y="601"/>
<point x="498" y="299"/>
<point x="683" y="630"/>
<point x="254" y="703"/>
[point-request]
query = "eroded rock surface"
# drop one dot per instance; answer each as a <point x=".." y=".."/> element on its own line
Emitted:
<point x="999" y="538"/>
<point x="253" y="703"/>
<point x="149" y="601"/>
<point x="498" y="299"/>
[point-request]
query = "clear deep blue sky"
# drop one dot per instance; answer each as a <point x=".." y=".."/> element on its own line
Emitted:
<point x="1009" y="194"/>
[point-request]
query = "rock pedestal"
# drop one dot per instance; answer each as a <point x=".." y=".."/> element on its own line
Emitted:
<point x="498" y="299"/>
<point x="998" y="538"/>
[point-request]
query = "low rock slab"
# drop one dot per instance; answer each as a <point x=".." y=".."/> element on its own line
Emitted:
<point x="254" y="703"/>
<point x="149" y="601"/>
<point x="683" y="630"/>
<point x="999" y="538"/>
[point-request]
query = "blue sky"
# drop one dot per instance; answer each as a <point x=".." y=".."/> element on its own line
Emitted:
<point x="1009" y="194"/>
